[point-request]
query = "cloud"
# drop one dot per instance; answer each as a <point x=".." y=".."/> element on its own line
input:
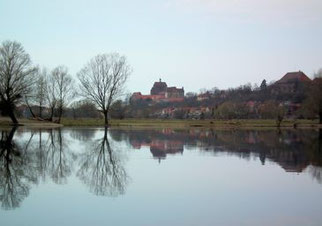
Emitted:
<point x="291" y="11"/>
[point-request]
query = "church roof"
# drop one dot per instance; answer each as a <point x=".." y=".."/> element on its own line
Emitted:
<point x="159" y="85"/>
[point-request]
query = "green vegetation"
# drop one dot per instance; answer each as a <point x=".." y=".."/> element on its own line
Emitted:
<point x="247" y="123"/>
<point x="171" y="123"/>
<point x="6" y="122"/>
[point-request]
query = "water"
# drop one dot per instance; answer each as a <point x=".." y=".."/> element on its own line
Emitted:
<point x="74" y="176"/>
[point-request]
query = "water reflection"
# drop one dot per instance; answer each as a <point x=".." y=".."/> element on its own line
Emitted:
<point x="16" y="171"/>
<point x="30" y="156"/>
<point x="95" y="157"/>
<point x="101" y="168"/>
<point x="293" y="150"/>
<point x="58" y="158"/>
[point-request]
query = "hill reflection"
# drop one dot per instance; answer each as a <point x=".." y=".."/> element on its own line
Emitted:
<point x="94" y="156"/>
<point x="293" y="150"/>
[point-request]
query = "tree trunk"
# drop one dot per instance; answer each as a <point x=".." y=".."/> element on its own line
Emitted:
<point x="60" y="114"/>
<point x="51" y="114"/>
<point x="40" y="111"/>
<point x="105" y="118"/>
<point x="30" y="109"/>
<point x="31" y="112"/>
<point x="320" y="115"/>
<point x="12" y="116"/>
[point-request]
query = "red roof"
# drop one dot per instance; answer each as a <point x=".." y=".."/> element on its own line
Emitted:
<point x="294" y="76"/>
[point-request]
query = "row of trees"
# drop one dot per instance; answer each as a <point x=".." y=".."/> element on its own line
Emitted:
<point x="101" y="82"/>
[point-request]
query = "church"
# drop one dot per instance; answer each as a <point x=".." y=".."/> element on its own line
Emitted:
<point x="161" y="92"/>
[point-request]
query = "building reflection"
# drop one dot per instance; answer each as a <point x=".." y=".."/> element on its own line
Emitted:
<point x="160" y="142"/>
<point x="293" y="150"/>
<point x="96" y="158"/>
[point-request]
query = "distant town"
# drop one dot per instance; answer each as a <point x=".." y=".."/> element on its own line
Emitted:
<point x="287" y="97"/>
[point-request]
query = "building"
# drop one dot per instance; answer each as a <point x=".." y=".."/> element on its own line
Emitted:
<point x="174" y="92"/>
<point x="161" y="92"/>
<point x="204" y="96"/>
<point x="291" y="82"/>
<point x="159" y="88"/>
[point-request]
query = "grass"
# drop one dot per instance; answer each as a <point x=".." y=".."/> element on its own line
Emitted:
<point x="6" y="122"/>
<point x="251" y="123"/>
<point x="171" y="123"/>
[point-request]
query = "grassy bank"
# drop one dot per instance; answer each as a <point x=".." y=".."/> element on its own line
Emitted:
<point x="245" y="123"/>
<point x="6" y="122"/>
<point x="192" y="123"/>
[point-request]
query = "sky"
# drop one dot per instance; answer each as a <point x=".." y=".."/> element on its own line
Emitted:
<point x="194" y="44"/>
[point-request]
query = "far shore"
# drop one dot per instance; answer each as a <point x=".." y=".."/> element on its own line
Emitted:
<point x="169" y="123"/>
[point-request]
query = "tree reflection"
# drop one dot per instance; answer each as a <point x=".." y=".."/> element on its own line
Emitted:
<point x="46" y="153"/>
<point x="15" y="172"/>
<point x="27" y="155"/>
<point x="101" y="168"/>
<point x="82" y="134"/>
<point x="58" y="161"/>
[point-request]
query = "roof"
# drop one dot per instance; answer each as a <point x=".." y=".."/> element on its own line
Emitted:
<point x="160" y="85"/>
<point x="294" y="76"/>
<point x="174" y="89"/>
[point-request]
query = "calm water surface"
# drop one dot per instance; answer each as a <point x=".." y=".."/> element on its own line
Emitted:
<point x="74" y="176"/>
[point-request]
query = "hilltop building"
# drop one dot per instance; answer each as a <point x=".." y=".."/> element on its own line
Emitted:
<point x="159" y="88"/>
<point x="290" y="82"/>
<point x="161" y="92"/>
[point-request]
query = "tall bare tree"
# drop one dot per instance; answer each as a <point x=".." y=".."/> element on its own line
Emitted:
<point x="41" y="91"/>
<point x="60" y="90"/>
<point x="102" y="80"/>
<point x="16" y="76"/>
<point x="37" y="97"/>
<point x="51" y="96"/>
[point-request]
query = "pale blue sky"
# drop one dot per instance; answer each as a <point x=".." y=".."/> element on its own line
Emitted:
<point x="191" y="43"/>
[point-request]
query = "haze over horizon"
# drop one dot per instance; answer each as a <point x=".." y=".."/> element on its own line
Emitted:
<point x="191" y="43"/>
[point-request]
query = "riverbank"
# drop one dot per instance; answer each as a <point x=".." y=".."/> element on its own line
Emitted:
<point x="6" y="122"/>
<point x="168" y="123"/>
<point x="246" y="123"/>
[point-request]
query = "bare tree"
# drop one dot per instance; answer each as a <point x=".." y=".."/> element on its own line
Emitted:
<point x="63" y="88"/>
<point x="51" y="96"/>
<point x="60" y="90"/>
<point x="102" y="80"/>
<point x="41" y="90"/>
<point x="37" y="96"/>
<point x="16" y="76"/>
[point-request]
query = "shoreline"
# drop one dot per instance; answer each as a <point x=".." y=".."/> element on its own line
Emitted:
<point x="172" y="123"/>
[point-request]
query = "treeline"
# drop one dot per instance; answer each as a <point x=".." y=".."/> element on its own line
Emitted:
<point x="51" y="94"/>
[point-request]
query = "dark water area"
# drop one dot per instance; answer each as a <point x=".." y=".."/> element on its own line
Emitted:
<point x="97" y="176"/>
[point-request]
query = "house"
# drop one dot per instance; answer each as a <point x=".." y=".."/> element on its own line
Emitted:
<point x="203" y="96"/>
<point x="291" y="82"/>
<point x="174" y="92"/>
